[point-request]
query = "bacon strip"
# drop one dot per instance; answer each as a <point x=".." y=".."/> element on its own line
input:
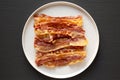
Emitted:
<point x="58" y="43"/>
<point x="62" y="50"/>
<point x="60" y="58"/>
<point x="52" y="62"/>
<point x="53" y="33"/>
<point x="67" y="20"/>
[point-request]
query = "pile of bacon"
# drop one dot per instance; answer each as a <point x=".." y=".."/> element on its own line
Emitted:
<point x="59" y="40"/>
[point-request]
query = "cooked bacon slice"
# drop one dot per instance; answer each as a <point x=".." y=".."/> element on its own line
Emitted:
<point x="62" y="50"/>
<point x="58" y="43"/>
<point x="61" y="57"/>
<point x="60" y="61"/>
<point x="39" y="19"/>
<point x="52" y="33"/>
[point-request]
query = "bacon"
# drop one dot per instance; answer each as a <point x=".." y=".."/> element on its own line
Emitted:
<point x="59" y="40"/>
<point x="59" y="62"/>
<point x="56" y="59"/>
<point x="62" y="50"/>
<point x="68" y="20"/>
<point x="58" y="26"/>
<point x="51" y="37"/>
<point x="58" y="33"/>
<point x="57" y="44"/>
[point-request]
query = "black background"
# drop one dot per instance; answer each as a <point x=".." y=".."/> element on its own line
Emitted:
<point x="13" y="63"/>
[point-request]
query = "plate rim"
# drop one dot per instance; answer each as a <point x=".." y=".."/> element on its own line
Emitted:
<point x="73" y="5"/>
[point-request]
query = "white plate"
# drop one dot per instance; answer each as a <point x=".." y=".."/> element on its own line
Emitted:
<point x="62" y="8"/>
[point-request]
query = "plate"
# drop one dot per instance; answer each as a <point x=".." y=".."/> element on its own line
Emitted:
<point x="62" y="8"/>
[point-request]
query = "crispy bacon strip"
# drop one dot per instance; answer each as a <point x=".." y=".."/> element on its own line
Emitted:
<point x="52" y="33"/>
<point x="66" y="60"/>
<point x="58" y="43"/>
<point x="62" y="50"/>
<point x="39" y="19"/>
<point x="61" y="57"/>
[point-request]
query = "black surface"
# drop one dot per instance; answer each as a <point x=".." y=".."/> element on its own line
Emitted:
<point x="13" y="63"/>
